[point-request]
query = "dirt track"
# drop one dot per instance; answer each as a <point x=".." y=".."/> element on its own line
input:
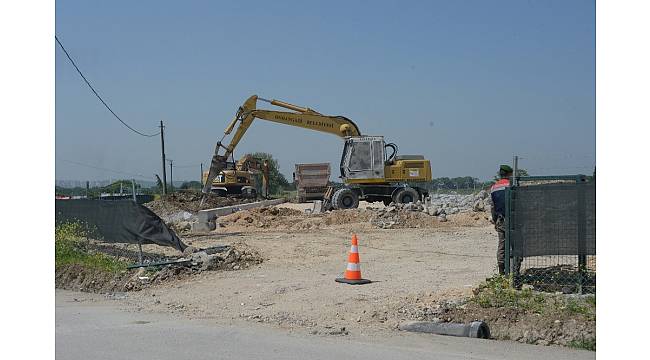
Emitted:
<point x="294" y="287"/>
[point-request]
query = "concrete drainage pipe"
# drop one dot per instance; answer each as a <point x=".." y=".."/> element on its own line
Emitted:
<point x="476" y="329"/>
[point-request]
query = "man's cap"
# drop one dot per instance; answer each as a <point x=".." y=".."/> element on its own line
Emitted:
<point x="505" y="169"/>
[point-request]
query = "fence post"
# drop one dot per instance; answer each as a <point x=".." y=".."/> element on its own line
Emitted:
<point x="581" y="220"/>
<point x="139" y="251"/>
<point x="507" y="226"/>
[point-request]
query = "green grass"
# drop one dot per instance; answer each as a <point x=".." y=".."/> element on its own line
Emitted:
<point x="497" y="292"/>
<point x="69" y="248"/>
<point x="584" y="344"/>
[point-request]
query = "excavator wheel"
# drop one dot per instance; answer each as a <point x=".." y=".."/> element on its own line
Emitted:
<point x="220" y="192"/>
<point x="249" y="193"/>
<point x="406" y="195"/>
<point x="345" y="199"/>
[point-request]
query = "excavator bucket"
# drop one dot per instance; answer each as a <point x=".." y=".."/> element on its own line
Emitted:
<point x="326" y="204"/>
<point x="216" y="166"/>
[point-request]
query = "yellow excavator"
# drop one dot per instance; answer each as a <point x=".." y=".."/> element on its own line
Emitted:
<point x="370" y="169"/>
<point x="238" y="178"/>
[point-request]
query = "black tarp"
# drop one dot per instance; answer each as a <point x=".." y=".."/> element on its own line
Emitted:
<point x="118" y="222"/>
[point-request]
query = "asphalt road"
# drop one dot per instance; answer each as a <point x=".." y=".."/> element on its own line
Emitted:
<point x="98" y="330"/>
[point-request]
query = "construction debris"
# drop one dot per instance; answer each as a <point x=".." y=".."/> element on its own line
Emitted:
<point x="237" y="256"/>
<point x="171" y="205"/>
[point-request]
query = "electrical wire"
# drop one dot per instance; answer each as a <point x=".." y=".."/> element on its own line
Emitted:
<point x="97" y="95"/>
<point x="105" y="169"/>
<point x="186" y="166"/>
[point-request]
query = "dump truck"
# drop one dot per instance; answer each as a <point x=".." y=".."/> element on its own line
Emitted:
<point x="370" y="168"/>
<point x="311" y="181"/>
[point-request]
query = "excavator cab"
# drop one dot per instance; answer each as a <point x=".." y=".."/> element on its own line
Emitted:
<point x="363" y="158"/>
<point x="366" y="159"/>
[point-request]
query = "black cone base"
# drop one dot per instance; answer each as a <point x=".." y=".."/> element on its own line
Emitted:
<point x="353" y="282"/>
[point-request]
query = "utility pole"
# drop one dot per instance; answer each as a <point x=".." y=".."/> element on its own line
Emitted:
<point x="515" y="162"/>
<point x="201" y="177"/>
<point x="164" y="170"/>
<point x="265" y="178"/>
<point x="135" y="199"/>
<point x="87" y="188"/>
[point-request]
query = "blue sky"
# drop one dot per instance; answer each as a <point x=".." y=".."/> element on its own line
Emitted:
<point x="468" y="84"/>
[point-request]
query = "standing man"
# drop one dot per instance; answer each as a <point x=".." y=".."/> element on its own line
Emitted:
<point x="498" y="195"/>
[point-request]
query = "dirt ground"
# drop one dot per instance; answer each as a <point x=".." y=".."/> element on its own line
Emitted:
<point x="294" y="286"/>
<point x="420" y="270"/>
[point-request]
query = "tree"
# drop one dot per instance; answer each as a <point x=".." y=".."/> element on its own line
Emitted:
<point x="520" y="172"/>
<point x="124" y="185"/>
<point x="191" y="185"/>
<point x="277" y="181"/>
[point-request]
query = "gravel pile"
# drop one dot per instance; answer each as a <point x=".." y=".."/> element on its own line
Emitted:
<point x="455" y="203"/>
<point x="436" y="205"/>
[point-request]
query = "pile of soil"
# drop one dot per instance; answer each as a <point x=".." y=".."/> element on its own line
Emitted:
<point x="280" y="218"/>
<point x="263" y="218"/>
<point x="190" y="201"/>
<point x="78" y="277"/>
<point x="82" y="278"/>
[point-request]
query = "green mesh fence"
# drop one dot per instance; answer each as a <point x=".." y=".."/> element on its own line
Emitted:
<point x="551" y="233"/>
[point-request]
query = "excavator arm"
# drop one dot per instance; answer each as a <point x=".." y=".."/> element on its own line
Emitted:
<point x="300" y="117"/>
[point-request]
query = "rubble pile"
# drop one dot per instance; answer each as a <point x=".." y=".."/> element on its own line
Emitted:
<point x="238" y="256"/>
<point x="400" y="216"/>
<point x="190" y="201"/>
<point x="436" y="209"/>
<point x="265" y="217"/>
<point x="439" y="206"/>
<point x="456" y="203"/>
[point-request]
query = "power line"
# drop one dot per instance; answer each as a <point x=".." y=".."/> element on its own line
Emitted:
<point x="186" y="166"/>
<point x="96" y="94"/>
<point x="104" y="169"/>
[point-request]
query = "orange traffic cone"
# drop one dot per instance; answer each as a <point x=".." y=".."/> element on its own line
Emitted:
<point x="353" y="271"/>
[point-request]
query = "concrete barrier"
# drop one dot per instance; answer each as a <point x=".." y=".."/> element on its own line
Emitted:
<point x="206" y="218"/>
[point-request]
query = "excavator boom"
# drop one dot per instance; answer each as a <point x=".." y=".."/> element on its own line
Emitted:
<point x="301" y="117"/>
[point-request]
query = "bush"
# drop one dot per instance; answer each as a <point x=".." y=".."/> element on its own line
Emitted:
<point x="69" y="248"/>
